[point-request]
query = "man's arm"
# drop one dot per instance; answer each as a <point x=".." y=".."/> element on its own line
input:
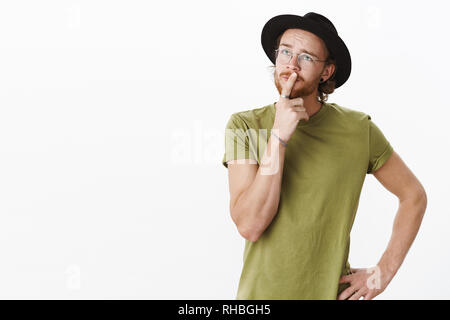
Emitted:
<point x="255" y="191"/>
<point x="396" y="177"/>
<point x="255" y="195"/>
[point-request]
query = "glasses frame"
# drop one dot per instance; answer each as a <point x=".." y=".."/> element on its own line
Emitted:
<point x="298" y="56"/>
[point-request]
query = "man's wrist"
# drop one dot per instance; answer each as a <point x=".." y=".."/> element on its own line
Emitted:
<point x="282" y="141"/>
<point x="388" y="270"/>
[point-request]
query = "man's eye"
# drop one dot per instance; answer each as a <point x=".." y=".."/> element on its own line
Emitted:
<point x="306" y="57"/>
<point x="284" y="51"/>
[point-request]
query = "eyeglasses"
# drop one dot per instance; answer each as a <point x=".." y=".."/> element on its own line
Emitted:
<point x="304" y="60"/>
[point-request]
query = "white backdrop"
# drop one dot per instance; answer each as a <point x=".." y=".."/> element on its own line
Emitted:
<point x="112" y="123"/>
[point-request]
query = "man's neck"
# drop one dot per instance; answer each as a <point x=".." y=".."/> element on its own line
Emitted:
<point x="311" y="105"/>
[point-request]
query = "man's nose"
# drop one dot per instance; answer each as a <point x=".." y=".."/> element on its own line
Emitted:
<point x="293" y="64"/>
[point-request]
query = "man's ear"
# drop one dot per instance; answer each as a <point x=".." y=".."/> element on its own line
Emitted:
<point x="329" y="70"/>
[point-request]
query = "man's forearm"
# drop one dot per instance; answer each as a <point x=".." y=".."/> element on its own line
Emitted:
<point x="258" y="205"/>
<point x="406" y="225"/>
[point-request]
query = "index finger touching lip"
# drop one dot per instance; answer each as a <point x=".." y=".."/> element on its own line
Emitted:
<point x="287" y="87"/>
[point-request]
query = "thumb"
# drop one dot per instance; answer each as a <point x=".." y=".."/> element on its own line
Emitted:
<point x="344" y="279"/>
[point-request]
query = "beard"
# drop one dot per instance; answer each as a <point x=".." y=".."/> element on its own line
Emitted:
<point x="300" y="88"/>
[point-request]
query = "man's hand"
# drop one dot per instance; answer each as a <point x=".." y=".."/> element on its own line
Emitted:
<point x="288" y="111"/>
<point x="367" y="283"/>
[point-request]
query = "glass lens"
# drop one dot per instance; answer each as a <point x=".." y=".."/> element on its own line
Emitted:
<point x="305" y="60"/>
<point x="283" y="55"/>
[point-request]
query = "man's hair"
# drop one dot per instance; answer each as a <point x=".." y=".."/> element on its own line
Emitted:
<point x="328" y="86"/>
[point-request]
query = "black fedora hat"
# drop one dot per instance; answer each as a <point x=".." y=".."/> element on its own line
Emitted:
<point x="314" y="23"/>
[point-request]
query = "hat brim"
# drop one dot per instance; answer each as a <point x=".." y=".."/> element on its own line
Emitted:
<point x="277" y="25"/>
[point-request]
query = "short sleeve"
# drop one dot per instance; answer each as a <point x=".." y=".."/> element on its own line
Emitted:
<point x="238" y="138"/>
<point x="379" y="148"/>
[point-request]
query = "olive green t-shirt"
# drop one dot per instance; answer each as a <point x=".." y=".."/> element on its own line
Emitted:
<point x="304" y="251"/>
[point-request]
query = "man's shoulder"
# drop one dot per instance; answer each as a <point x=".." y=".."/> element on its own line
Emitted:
<point x="347" y="113"/>
<point x="255" y="115"/>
